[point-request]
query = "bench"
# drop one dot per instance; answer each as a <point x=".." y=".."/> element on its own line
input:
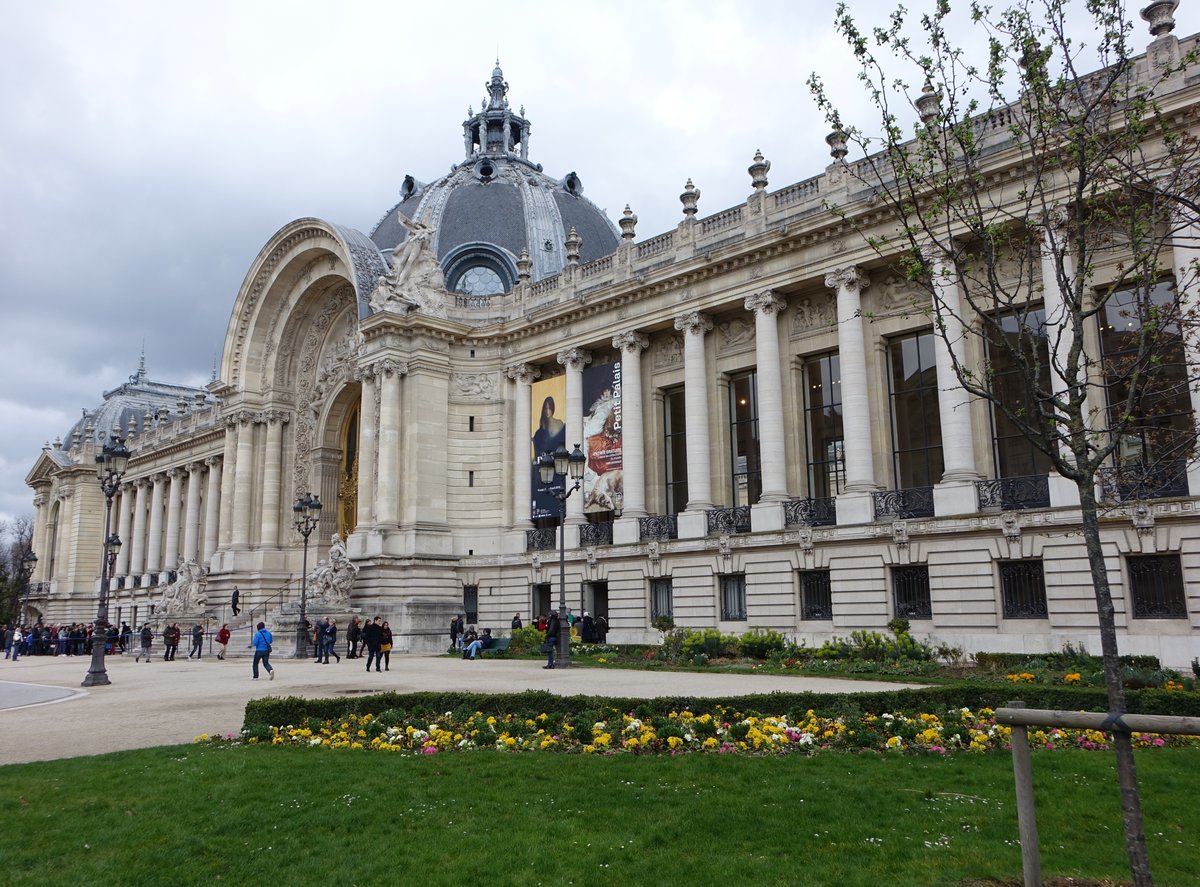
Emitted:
<point x="499" y="645"/>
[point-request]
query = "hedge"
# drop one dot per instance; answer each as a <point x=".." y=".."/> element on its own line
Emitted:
<point x="1014" y="661"/>
<point x="292" y="710"/>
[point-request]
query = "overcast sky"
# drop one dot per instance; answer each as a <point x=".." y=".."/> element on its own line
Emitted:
<point x="149" y="150"/>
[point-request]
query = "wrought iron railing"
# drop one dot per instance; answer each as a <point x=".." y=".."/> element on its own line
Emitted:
<point x="541" y="539"/>
<point x="1023" y="590"/>
<point x="910" y="590"/>
<point x="658" y="526"/>
<point x="1010" y="493"/>
<point x="1131" y="483"/>
<point x="817" y="512"/>
<point x="729" y="520"/>
<point x="596" y="534"/>
<point x="913" y="502"/>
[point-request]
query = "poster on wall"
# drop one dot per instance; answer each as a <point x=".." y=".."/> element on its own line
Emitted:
<point x="548" y="431"/>
<point x="603" y="484"/>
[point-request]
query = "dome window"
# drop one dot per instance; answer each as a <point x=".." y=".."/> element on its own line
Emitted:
<point x="479" y="270"/>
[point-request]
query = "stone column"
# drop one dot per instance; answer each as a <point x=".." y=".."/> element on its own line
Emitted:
<point x="154" y="539"/>
<point x="243" y="479"/>
<point x="695" y="399"/>
<point x="366" y="448"/>
<point x="229" y="475"/>
<point x="174" y="513"/>
<point x="271" y="478"/>
<point x="191" y="521"/>
<point x="387" y="504"/>
<point x="522" y="481"/>
<point x="630" y="346"/>
<point x="122" y="529"/>
<point x="36" y="539"/>
<point x="766" y="307"/>
<point x="137" y="554"/>
<point x="574" y="360"/>
<point x="1185" y="263"/>
<point x="854" y="505"/>
<point x="212" y="508"/>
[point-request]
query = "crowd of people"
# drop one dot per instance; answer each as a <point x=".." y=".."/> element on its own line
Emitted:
<point x="73" y="639"/>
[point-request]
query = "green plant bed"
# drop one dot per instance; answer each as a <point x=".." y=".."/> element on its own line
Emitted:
<point x="199" y="815"/>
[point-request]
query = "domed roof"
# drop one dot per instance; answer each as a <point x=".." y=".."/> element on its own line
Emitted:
<point x="497" y="203"/>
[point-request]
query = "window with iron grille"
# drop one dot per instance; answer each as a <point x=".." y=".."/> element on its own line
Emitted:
<point x="910" y="592"/>
<point x="661" y="603"/>
<point x="1156" y="587"/>
<point x="471" y="603"/>
<point x="733" y="597"/>
<point x="816" y="597"/>
<point x="1023" y="589"/>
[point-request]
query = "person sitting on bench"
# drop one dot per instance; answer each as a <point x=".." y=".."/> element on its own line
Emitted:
<point x="480" y="643"/>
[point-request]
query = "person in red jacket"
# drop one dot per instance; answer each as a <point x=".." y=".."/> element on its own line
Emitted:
<point x="222" y="640"/>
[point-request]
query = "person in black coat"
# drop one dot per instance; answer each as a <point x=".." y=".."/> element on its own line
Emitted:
<point x="233" y="600"/>
<point x="353" y="637"/>
<point x="373" y="638"/>
<point x="552" y="631"/>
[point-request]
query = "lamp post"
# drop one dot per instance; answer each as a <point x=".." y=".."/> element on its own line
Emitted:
<point x="553" y="468"/>
<point x="28" y="562"/>
<point x="111" y="462"/>
<point x="307" y="512"/>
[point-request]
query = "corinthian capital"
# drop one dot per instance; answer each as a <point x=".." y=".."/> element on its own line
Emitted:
<point x="766" y="302"/>
<point x="631" y="342"/>
<point x="574" y="359"/>
<point x="523" y="373"/>
<point x="851" y="277"/>
<point x="694" y="322"/>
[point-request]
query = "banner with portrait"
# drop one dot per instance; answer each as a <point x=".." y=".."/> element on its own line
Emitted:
<point x="603" y="478"/>
<point x="548" y="431"/>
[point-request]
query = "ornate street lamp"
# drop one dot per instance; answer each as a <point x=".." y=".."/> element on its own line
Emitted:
<point x="307" y="512"/>
<point x="28" y="563"/>
<point x="111" y="462"/>
<point x="553" y="468"/>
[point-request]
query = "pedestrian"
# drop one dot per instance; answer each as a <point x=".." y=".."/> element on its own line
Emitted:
<point x="373" y="638"/>
<point x="516" y="623"/>
<point x="233" y="600"/>
<point x="601" y="629"/>
<point x="588" y="628"/>
<point x="147" y="638"/>
<point x="456" y="632"/>
<point x="386" y="648"/>
<point x="166" y="638"/>
<point x="8" y="640"/>
<point x="197" y="641"/>
<point x="329" y="640"/>
<point x="353" y="637"/>
<point x="222" y="640"/>
<point x="262" y="651"/>
<point x="552" y="630"/>
<point x="126" y="637"/>
<point x="17" y="639"/>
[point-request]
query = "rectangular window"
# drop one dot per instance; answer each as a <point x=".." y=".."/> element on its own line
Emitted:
<point x="910" y="592"/>
<point x="916" y="422"/>
<point x="743" y="438"/>
<point x="733" y="597"/>
<point x="542" y="604"/>
<point x="470" y="603"/>
<point x="1023" y="589"/>
<point x="661" y="603"/>
<point x="675" y="445"/>
<point x="823" y="417"/>
<point x="1156" y="587"/>
<point x="1021" y="335"/>
<point x="816" y="596"/>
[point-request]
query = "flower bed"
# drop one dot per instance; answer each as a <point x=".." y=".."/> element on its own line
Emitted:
<point x="721" y="731"/>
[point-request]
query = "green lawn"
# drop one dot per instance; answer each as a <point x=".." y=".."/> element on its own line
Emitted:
<point x="259" y="815"/>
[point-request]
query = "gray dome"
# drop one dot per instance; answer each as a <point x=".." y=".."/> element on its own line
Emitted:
<point x="496" y="204"/>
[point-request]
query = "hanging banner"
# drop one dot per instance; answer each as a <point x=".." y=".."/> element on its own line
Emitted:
<point x="603" y="478"/>
<point x="548" y="431"/>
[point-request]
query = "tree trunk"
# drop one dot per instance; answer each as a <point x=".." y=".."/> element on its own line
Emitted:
<point x="1131" y="805"/>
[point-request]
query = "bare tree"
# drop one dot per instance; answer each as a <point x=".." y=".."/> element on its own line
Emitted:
<point x="1045" y="200"/>
<point x="17" y="542"/>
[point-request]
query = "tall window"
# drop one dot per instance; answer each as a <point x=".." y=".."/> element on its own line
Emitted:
<point x="816" y="596"/>
<point x="1023" y="589"/>
<point x="743" y="436"/>
<point x="661" y="603"/>
<point x="1162" y="427"/>
<point x="733" y="597"/>
<point x="471" y="603"/>
<point x="916" y="422"/>
<point x="910" y="591"/>
<point x="1156" y="587"/>
<point x="823" y="418"/>
<point x="1016" y="455"/>
<point x="675" y="444"/>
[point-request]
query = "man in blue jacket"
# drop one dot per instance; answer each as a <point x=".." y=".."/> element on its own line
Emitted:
<point x="262" y="650"/>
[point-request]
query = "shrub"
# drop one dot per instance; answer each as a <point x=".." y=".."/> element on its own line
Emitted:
<point x="662" y="623"/>
<point x="760" y="643"/>
<point x="526" y="640"/>
<point x="710" y="642"/>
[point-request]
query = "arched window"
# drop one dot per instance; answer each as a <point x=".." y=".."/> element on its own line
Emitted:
<point x="478" y="269"/>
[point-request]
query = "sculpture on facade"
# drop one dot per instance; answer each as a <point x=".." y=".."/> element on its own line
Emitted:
<point x="333" y="578"/>
<point x="415" y="281"/>
<point x="188" y="593"/>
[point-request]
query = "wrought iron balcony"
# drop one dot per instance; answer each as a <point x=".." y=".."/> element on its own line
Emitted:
<point x="596" y="534"/>
<point x="658" y="526"/>
<point x="818" y="512"/>
<point x="913" y="502"/>
<point x="1012" y="493"/>
<point x="541" y="539"/>
<point x="729" y="520"/>
<point x="1131" y="483"/>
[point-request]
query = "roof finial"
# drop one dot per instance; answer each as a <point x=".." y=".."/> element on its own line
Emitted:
<point x="214" y="369"/>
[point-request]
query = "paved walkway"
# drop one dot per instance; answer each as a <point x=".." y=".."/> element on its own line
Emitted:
<point x="166" y="703"/>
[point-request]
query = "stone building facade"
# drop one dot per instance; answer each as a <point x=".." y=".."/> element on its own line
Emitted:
<point x="761" y="363"/>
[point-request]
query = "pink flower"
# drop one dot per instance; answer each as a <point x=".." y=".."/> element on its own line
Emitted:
<point x="1159" y="742"/>
<point x="429" y="750"/>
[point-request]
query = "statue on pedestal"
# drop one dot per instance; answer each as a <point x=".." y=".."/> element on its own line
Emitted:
<point x="333" y="578"/>
<point x="415" y="281"/>
<point x="188" y="593"/>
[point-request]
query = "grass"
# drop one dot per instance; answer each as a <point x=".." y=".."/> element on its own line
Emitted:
<point x="202" y="814"/>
